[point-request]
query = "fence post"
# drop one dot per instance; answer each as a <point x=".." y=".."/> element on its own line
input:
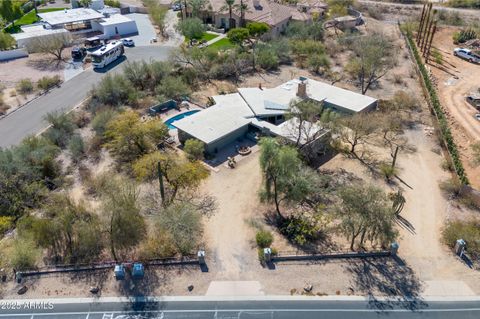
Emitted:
<point x="201" y="257"/>
<point x="394" y="248"/>
<point x="267" y="253"/>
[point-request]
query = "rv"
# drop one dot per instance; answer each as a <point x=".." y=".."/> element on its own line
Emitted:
<point x="107" y="54"/>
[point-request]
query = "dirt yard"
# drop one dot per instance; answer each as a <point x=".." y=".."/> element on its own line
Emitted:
<point x="455" y="79"/>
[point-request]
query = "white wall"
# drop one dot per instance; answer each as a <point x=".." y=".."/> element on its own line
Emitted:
<point x="13" y="54"/>
<point x="125" y="28"/>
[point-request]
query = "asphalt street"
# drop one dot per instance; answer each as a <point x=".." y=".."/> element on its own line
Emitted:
<point x="28" y="119"/>
<point x="256" y="307"/>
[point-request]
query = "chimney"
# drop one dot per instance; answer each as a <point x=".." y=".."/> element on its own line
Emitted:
<point x="302" y="89"/>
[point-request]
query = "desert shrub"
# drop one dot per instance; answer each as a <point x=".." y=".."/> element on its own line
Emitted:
<point x="113" y="3"/>
<point x="447" y="166"/>
<point x="6" y="41"/>
<point x="61" y="129"/>
<point x="449" y="17"/>
<point x="172" y="88"/>
<point x="266" y="58"/>
<point x="76" y="146"/>
<point x="113" y="90"/>
<point x="464" y="35"/>
<point x="23" y="255"/>
<point x="437" y="56"/>
<point x="25" y="86"/>
<point x="6" y="223"/>
<point x="194" y="149"/>
<point x="264" y="238"/>
<point x="299" y="230"/>
<point x="48" y="82"/>
<point x="101" y="119"/>
<point x="451" y="187"/>
<point x="3" y="106"/>
<point x="159" y="245"/>
<point x="375" y="12"/>
<point x="387" y="171"/>
<point x="466" y="230"/>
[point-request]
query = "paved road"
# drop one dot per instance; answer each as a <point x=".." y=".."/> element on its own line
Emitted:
<point x="29" y="119"/>
<point x="256" y="307"/>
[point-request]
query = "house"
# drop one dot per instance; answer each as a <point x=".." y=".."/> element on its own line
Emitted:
<point x="274" y="14"/>
<point x="254" y="111"/>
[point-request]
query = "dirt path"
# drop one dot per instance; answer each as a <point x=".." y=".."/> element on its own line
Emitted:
<point x="228" y="234"/>
<point x="425" y="214"/>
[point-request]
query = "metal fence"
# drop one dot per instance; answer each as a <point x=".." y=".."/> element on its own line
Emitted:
<point x="301" y="255"/>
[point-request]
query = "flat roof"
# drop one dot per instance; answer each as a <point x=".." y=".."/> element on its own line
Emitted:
<point x="68" y="16"/>
<point x="217" y="121"/>
<point x="115" y="19"/>
<point x="36" y="31"/>
<point x="275" y="101"/>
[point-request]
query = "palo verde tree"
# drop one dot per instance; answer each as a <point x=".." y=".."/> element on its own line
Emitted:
<point x="124" y="225"/>
<point x="285" y="179"/>
<point x="128" y="138"/>
<point x="251" y="35"/>
<point x="365" y="214"/>
<point x="373" y="58"/>
<point x="355" y="131"/>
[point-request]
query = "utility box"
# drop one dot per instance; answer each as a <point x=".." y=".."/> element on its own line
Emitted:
<point x="394" y="248"/>
<point x="460" y="246"/>
<point x="267" y="253"/>
<point x="201" y="257"/>
<point x="138" y="271"/>
<point x="119" y="272"/>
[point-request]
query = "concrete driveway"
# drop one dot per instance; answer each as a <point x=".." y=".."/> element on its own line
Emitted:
<point x="146" y="31"/>
<point x="28" y="120"/>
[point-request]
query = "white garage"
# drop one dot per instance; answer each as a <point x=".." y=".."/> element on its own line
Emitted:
<point x="116" y="25"/>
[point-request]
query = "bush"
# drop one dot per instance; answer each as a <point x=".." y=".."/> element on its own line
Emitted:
<point x="76" y="146"/>
<point x="62" y="128"/>
<point x="25" y="86"/>
<point x="113" y="3"/>
<point x="466" y="230"/>
<point x="264" y="239"/>
<point x="388" y="171"/>
<point x="451" y="187"/>
<point x="194" y="149"/>
<point x="23" y="255"/>
<point x="113" y="90"/>
<point x="6" y="41"/>
<point x="266" y="58"/>
<point x="299" y="230"/>
<point x="48" y="82"/>
<point x="6" y="223"/>
<point x="100" y="121"/>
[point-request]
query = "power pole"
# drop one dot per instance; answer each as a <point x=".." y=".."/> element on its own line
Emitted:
<point x="427" y="37"/>
<point x="426" y="21"/>
<point x="420" y="26"/>
<point x="429" y="46"/>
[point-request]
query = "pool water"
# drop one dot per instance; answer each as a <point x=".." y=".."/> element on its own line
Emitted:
<point x="177" y="117"/>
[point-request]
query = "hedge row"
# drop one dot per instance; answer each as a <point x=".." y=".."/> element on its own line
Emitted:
<point x="442" y="120"/>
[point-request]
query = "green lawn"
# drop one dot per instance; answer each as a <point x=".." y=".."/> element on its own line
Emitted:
<point x="205" y="37"/>
<point x="28" y="18"/>
<point x="222" y="44"/>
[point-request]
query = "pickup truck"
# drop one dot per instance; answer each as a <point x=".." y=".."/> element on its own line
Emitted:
<point x="467" y="54"/>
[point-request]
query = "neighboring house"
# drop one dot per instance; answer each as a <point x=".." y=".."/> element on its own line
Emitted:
<point x="255" y="110"/>
<point x="77" y="21"/>
<point x="95" y="4"/>
<point x="274" y="14"/>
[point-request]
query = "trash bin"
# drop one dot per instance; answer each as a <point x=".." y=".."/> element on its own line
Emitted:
<point x="138" y="271"/>
<point x="119" y="272"/>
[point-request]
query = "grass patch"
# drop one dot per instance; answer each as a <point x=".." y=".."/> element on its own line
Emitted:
<point x="27" y="19"/>
<point x="222" y="44"/>
<point x="205" y="37"/>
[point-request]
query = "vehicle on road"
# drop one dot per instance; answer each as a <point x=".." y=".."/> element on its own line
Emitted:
<point x="107" y="54"/>
<point x="78" y="53"/>
<point x="128" y="42"/>
<point x="467" y="54"/>
<point x="474" y="100"/>
<point x="477" y="116"/>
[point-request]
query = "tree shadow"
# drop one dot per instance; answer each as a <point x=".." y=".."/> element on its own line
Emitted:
<point x="46" y="64"/>
<point x="403" y="222"/>
<point x="388" y="277"/>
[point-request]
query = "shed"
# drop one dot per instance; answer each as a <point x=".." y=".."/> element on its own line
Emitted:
<point x="117" y="24"/>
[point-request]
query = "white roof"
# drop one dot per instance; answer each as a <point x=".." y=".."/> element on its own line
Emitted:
<point x="68" y="16"/>
<point x="36" y="31"/>
<point x="217" y="121"/>
<point x="276" y="101"/>
<point x="289" y="130"/>
<point x="115" y="19"/>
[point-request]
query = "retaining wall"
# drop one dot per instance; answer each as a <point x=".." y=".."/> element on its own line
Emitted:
<point x="13" y="54"/>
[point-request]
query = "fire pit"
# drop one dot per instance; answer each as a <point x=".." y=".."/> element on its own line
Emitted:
<point x="244" y="150"/>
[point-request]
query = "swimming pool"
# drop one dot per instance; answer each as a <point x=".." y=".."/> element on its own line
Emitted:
<point x="178" y="117"/>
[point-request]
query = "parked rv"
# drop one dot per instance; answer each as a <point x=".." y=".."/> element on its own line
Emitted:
<point x="107" y="54"/>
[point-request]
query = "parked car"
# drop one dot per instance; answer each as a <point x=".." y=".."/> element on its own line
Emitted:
<point x="78" y="53"/>
<point x="128" y="42"/>
<point x="477" y="116"/>
<point x="467" y="54"/>
<point x="474" y="100"/>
